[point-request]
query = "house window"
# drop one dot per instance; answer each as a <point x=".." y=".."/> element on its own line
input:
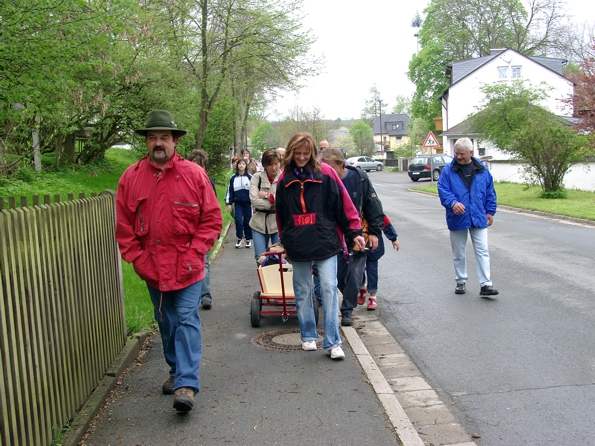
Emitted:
<point x="516" y="72"/>
<point x="395" y="126"/>
<point x="502" y="72"/>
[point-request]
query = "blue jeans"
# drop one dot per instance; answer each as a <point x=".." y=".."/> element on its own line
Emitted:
<point x="205" y="291"/>
<point x="372" y="276"/>
<point x="349" y="277"/>
<point x="261" y="242"/>
<point x="243" y="214"/>
<point x="176" y="313"/>
<point x="458" y="242"/>
<point x="302" y="286"/>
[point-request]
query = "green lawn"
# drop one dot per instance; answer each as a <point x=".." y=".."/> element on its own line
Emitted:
<point x="579" y="204"/>
<point x="94" y="179"/>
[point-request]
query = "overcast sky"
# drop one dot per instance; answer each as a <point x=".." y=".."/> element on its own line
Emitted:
<point x="365" y="43"/>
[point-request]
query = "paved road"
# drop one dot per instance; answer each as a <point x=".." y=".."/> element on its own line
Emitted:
<point x="518" y="369"/>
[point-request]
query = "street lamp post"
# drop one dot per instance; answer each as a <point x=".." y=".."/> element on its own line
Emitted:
<point x="380" y="123"/>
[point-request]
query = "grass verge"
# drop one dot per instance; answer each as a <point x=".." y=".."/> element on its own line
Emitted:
<point x="578" y="204"/>
<point x="90" y="179"/>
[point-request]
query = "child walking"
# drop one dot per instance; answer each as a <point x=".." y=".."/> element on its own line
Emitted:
<point x="371" y="272"/>
<point x="238" y="193"/>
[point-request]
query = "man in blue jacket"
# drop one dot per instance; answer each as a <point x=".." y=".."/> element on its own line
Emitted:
<point x="467" y="192"/>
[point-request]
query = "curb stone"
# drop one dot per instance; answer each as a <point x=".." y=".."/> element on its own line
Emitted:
<point x="564" y="218"/>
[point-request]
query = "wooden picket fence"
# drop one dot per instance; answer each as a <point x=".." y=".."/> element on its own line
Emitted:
<point x="61" y="312"/>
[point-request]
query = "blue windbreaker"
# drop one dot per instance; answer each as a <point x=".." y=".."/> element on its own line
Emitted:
<point x="479" y="199"/>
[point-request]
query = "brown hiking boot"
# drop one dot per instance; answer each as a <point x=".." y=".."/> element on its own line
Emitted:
<point x="168" y="386"/>
<point x="184" y="399"/>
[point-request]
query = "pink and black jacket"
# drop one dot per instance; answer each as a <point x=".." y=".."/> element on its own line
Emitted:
<point x="313" y="212"/>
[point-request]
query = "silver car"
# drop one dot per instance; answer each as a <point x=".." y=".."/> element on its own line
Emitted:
<point x="364" y="163"/>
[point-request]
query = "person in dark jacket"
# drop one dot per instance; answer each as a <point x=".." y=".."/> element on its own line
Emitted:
<point x="238" y="194"/>
<point x="352" y="261"/>
<point x="201" y="157"/>
<point x="466" y="190"/>
<point x="314" y="215"/>
<point x="167" y="220"/>
<point x="371" y="272"/>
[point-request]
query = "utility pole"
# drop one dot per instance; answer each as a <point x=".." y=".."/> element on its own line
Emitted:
<point x="380" y="122"/>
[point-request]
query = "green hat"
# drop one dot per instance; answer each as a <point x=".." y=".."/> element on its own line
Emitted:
<point x="161" y="120"/>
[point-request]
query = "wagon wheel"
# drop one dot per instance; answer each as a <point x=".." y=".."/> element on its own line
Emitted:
<point x="255" y="307"/>
<point x="256" y="295"/>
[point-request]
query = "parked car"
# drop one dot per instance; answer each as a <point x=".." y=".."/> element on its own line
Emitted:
<point x="365" y="163"/>
<point x="425" y="165"/>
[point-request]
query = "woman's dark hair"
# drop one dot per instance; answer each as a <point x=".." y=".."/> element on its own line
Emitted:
<point x="299" y="140"/>
<point x="200" y="157"/>
<point x="269" y="157"/>
<point x="241" y="160"/>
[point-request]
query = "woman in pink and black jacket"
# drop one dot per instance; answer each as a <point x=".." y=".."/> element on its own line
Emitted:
<point x="313" y="213"/>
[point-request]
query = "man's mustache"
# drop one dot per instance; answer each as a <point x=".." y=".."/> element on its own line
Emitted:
<point x="158" y="148"/>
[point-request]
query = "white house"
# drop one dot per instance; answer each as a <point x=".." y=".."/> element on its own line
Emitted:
<point x="503" y="65"/>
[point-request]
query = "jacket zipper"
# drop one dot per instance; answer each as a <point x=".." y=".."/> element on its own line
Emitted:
<point x="140" y="217"/>
<point x="192" y="205"/>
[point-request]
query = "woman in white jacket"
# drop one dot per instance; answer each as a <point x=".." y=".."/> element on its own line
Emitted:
<point x="263" y="187"/>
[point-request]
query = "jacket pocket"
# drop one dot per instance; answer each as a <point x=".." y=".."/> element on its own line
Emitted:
<point x="145" y="267"/>
<point x="140" y="211"/>
<point x="185" y="218"/>
<point x="189" y="264"/>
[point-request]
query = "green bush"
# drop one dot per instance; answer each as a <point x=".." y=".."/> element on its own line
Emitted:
<point x="553" y="194"/>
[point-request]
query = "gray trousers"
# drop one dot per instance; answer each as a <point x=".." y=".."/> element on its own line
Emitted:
<point x="349" y="279"/>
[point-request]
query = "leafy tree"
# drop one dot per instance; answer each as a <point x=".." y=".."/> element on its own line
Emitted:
<point x="507" y="108"/>
<point x="264" y="137"/>
<point x="402" y="105"/>
<point x="363" y="137"/>
<point x="54" y="56"/>
<point x="371" y="110"/>
<point x="417" y="132"/>
<point x="346" y="143"/>
<point x="300" y="120"/>
<point x="512" y="119"/>
<point x="583" y="100"/>
<point x="255" y="44"/>
<point x="454" y="31"/>
<point x="219" y="135"/>
<point x="548" y="149"/>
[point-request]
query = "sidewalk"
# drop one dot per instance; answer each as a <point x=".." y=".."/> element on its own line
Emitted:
<point x="274" y="392"/>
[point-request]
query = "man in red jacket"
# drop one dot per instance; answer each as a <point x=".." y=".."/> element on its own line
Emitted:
<point x="168" y="218"/>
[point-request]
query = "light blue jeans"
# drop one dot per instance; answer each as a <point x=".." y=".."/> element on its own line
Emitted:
<point x="458" y="242"/>
<point x="302" y="287"/>
<point x="261" y="243"/>
<point x="205" y="292"/>
<point x="176" y="313"/>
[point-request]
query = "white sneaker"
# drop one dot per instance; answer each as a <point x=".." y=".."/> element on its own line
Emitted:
<point x="309" y="345"/>
<point x="239" y="243"/>
<point x="336" y="353"/>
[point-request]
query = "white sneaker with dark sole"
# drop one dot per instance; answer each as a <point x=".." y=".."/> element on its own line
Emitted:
<point x="239" y="244"/>
<point x="336" y="353"/>
<point x="309" y="345"/>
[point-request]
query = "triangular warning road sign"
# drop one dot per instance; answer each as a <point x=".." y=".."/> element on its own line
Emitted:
<point x="431" y="142"/>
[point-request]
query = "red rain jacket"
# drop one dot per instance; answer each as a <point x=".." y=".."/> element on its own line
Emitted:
<point x="166" y="221"/>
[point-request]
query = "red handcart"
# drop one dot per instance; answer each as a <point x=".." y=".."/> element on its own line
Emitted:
<point x="276" y="295"/>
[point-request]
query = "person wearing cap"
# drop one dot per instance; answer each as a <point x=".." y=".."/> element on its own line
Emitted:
<point x="168" y="218"/>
